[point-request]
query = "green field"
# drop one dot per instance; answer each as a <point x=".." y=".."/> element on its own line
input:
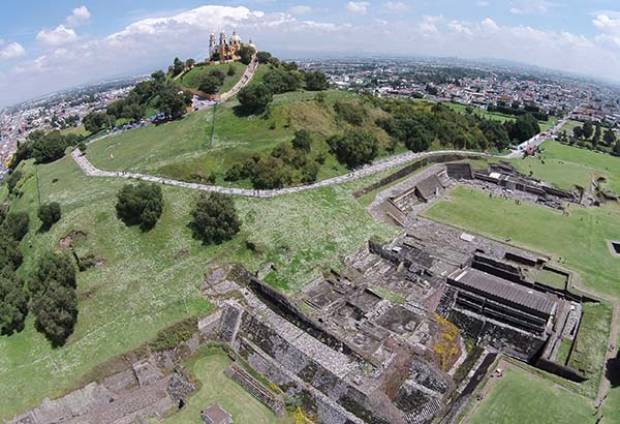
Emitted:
<point x="566" y="166"/>
<point x="578" y="241"/>
<point x="193" y="78"/>
<point x="208" y="368"/>
<point x="523" y="397"/>
<point x="590" y="346"/>
<point x="183" y="149"/>
<point x="150" y="280"/>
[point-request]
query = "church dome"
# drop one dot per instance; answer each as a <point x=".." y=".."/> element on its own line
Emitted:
<point x="235" y="38"/>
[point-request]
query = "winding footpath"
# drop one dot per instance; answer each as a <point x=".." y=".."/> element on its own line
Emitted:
<point x="378" y="166"/>
<point x="90" y="170"/>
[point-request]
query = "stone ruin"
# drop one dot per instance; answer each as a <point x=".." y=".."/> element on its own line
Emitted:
<point x="140" y="391"/>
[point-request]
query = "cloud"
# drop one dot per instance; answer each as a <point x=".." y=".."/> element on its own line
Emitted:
<point x="359" y="7"/>
<point x="300" y="10"/>
<point x="80" y="15"/>
<point x="531" y="7"/>
<point x="609" y="25"/>
<point x="149" y="44"/>
<point x="11" y="50"/>
<point x="57" y="36"/>
<point x="396" y="6"/>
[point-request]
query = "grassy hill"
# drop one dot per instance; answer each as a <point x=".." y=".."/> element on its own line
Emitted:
<point x="147" y="281"/>
<point x="186" y="149"/>
<point x="193" y="78"/>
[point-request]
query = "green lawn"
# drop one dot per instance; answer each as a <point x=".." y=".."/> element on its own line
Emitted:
<point x="523" y="397"/>
<point x="590" y="347"/>
<point x="208" y="368"/>
<point x="566" y="166"/>
<point x="184" y="150"/>
<point x="580" y="238"/>
<point x="150" y="280"/>
<point x="493" y="116"/>
<point x="193" y="78"/>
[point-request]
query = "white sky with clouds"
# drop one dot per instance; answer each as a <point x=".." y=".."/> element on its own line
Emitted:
<point x="76" y="47"/>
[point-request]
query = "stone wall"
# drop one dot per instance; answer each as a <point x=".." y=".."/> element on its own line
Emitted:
<point x="256" y="389"/>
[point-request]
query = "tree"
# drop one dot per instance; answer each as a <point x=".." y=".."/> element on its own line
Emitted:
<point x="13" y="303"/>
<point x="172" y="102"/>
<point x="354" y="148"/>
<point x="419" y="139"/>
<point x="578" y="132"/>
<point x="54" y="297"/>
<point x="525" y="127"/>
<point x="255" y="98"/>
<point x="245" y="54"/>
<point x="263" y="57"/>
<point x="159" y="77"/>
<point x="617" y="148"/>
<point x="214" y="218"/>
<point x="609" y="137"/>
<point x="49" y="214"/>
<point x="588" y="130"/>
<point x="96" y="121"/>
<point x="56" y="312"/>
<point x="178" y="66"/>
<point x="210" y="84"/>
<point x="316" y="81"/>
<point x="231" y="71"/>
<point x="13" y="179"/>
<point x="189" y="63"/>
<point x="302" y="140"/>
<point x="140" y="204"/>
<point x="16" y="225"/>
<point x="49" y="147"/>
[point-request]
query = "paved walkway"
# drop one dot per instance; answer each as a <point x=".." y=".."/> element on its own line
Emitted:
<point x="89" y="169"/>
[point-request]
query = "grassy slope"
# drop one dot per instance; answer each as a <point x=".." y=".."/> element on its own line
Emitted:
<point x="183" y="148"/>
<point x="566" y="166"/>
<point x="580" y="238"/>
<point x="193" y="78"/>
<point x="208" y="367"/>
<point x="152" y="279"/>
<point x="521" y="397"/>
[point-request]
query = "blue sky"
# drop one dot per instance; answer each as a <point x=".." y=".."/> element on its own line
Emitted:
<point x="45" y="45"/>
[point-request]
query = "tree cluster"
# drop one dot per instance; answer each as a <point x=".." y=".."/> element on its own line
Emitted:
<point x="44" y="147"/>
<point x="54" y="298"/>
<point x="592" y="136"/>
<point x="214" y="218"/>
<point x="165" y="95"/>
<point x="354" y="148"/>
<point x="288" y="163"/>
<point x="140" y="204"/>
<point x="213" y="81"/>
<point x="515" y="109"/>
<point x="13" y="296"/>
<point x="282" y="77"/>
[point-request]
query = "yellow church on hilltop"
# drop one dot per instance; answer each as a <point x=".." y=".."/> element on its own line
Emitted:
<point x="226" y="49"/>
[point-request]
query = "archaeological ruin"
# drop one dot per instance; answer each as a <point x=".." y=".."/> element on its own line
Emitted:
<point x="402" y="333"/>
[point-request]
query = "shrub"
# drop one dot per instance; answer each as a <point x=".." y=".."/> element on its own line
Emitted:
<point x="140" y="204"/>
<point x="210" y="84"/>
<point x="49" y="214"/>
<point x="255" y="98"/>
<point x="214" y="218"/>
<point x="177" y="333"/>
<point x="302" y="141"/>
